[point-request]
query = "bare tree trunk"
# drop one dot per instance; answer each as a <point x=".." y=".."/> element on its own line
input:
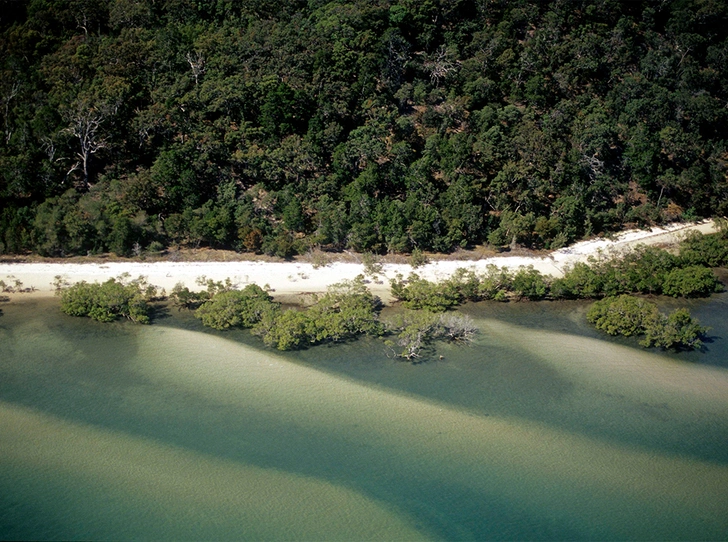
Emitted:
<point x="197" y="64"/>
<point x="6" y="99"/>
<point x="85" y="125"/>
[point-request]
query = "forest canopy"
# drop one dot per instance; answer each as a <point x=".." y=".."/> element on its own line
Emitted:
<point x="378" y="125"/>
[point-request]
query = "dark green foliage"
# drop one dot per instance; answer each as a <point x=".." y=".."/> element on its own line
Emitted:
<point x="289" y="330"/>
<point x="628" y="316"/>
<point x="692" y="281"/>
<point x="346" y="311"/>
<point x="529" y="283"/>
<point x="495" y="284"/>
<point x="417" y="293"/>
<point x="641" y="270"/>
<point x="465" y="285"/>
<point x="110" y="300"/>
<point x="374" y="126"/>
<point x="708" y="250"/>
<point x="582" y="281"/>
<point x="678" y="331"/>
<point x="236" y="308"/>
<point x="623" y="315"/>
<point x="646" y="270"/>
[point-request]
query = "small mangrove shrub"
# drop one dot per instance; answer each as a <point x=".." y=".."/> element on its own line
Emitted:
<point x="110" y="300"/>
<point x="645" y="270"/>
<point x="347" y="310"/>
<point x="418" y="258"/>
<point x="420" y="294"/>
<point x="182" y="297"/>
<point x="236" y="308"/>
<point x="692" y="281"/>
<point x="372" y="266"/>
<point x="14" y="285"/>
<point x="529" y="283"/>
<point x="466" y="285"/>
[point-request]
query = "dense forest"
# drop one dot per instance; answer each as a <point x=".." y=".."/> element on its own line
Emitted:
<point x="373" y="125"/>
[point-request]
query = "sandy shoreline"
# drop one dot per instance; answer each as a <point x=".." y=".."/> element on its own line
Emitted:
<point x="291" y="279"/>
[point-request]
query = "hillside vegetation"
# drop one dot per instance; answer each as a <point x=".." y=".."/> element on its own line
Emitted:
<point x="377" y="125"/>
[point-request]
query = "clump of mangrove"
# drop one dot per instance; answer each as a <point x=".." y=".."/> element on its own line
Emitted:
<point x="346" y="311"/>
<point x="631" y="316"/>
<point x="236" y="308"/>
<point x="116" y="298"/>
<point x="644" y="270"/>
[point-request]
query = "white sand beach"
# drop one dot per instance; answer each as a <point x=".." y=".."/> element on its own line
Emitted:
<point x="290" y="279"/>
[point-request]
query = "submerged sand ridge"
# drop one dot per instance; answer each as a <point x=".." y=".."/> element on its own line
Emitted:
<point x="612" y="488"/>
<point x="176" y="494"/>
<point x="167" y="432"/>
<point x="630" y="372"/>
<point x="292" y="278"/>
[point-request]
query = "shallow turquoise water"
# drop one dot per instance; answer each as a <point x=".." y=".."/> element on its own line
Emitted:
<point x="542" y="430"/>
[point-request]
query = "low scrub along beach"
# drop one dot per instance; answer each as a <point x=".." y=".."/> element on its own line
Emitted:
<point x="287" y="280"/>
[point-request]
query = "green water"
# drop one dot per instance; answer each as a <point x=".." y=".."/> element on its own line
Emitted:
<point x="542" y="430"/>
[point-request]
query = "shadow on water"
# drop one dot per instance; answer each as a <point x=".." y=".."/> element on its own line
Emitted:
<point x="482" y="379"/>
<point x="58" y="363"/>
<point x="492" y="378"/>
<point x="501" y="379"/>
<point x="712" y="312"/>
<point x="77" y="369"/>
<point x="159" y="312"/>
